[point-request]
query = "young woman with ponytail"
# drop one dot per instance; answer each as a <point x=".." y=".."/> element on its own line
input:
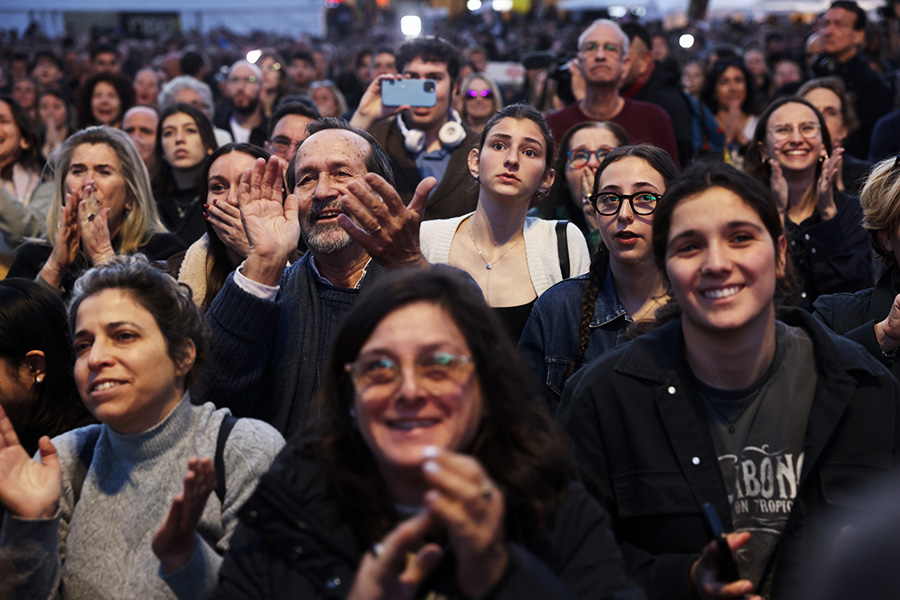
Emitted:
<point x="578" y="319"/>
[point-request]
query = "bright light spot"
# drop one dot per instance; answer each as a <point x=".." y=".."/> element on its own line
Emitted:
<point x="686" y="41"/>
<point x="411" y="25"/>
<point x="502" y="5"/>
<point x="473" y="5"/>
<point x="253" y="56"/>
<point x="639" y="11"/>
<point x="617" y="12"/>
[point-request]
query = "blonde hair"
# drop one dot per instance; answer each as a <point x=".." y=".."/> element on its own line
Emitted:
<point x="880" y="200"/>
<point x="498" y="99"/>
<point x="142" y="219"/>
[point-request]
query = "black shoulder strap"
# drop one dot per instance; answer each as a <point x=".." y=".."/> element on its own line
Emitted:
<point x="85" y="457"/>
<point x="228" y="423"/>
<point x="562" y="246"/>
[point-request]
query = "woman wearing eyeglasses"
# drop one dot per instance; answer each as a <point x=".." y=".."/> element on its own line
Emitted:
<point x="791" y="153"/>
<point x="581" y="151"/>
<point x="433" y="474"/>
<point x="579" y="319"/>
<point x="480" y="101"/>
<point x="513" y="258"/>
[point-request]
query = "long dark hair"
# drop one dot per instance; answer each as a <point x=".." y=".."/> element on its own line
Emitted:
<point x="29" y="157"/>
<point x="217" y="261"/>
<point x="165" y="185"/>
<point x="32" y="318"/>
<point x="750" y="105"/>
<point x="517" y="442"/>
<point x="523" y="111"/>
<point x="660" y="161"/>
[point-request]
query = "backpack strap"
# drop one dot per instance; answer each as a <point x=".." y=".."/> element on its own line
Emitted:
<point x="562" y="247"/>
<point x="228" y="423"/>
<point x="85" y="457"/>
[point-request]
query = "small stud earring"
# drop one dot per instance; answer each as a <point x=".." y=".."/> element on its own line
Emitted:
<point x="39" y="379"/>
<point x="352" y="413"/>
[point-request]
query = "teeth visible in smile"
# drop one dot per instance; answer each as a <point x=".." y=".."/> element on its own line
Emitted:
<point x="795" y="152"/>
<point x="106" y="385"/>
<point x="722" y="292"/>
<point x="410" y="425"/>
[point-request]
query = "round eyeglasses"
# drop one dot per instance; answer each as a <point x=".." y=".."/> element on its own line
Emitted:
<point x="579" y="158"/>
<point x="610" y="203"/>
<point x="784" y="131"/>
<point x="379" y="376"/>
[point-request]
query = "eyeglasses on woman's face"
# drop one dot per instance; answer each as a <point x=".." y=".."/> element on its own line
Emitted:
<point x="579" y="158"/>
<point x="472" y="94"/>
<point x="610" y="203"/>
<point x="379" y="375"/>
<point x="784" y="131"/>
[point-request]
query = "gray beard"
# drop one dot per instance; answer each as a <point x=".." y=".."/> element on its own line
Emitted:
<point x="327" y="239"/>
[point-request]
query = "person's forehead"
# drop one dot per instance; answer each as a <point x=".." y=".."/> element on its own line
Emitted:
<point x="604" y="33"/>
<point x="140" y="117"/>
<point x="187" y="96"/>
<point x="419" y="65"/>
<point x="292" y="126"/>
<point x="242" y="71"/>
<point x="384" y="57"/>
<point x="840" y="14"/>
<point x="333" y="144"/>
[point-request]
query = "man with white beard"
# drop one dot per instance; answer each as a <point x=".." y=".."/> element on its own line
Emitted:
<point x="271" y="325"/>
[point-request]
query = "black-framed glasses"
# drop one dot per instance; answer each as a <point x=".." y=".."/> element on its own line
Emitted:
<point x="579" y="158"/>
<point x="472" y="94"/>
<point x="610" y="203"/>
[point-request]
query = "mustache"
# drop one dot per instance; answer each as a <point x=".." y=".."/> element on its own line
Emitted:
<point x="315" y="211"/>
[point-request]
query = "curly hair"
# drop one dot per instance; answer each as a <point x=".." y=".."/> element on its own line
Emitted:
<point x="168" y="301"/>
<point x="123" y="87"/>
<point x="30" y="156"/>
<point x="517" y="442"/>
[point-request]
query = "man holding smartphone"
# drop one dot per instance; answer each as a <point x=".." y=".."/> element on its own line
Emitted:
<point x="424" y="141"/>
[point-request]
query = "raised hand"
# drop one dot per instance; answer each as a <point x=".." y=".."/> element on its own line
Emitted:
<point x="225" y="218"/>
<point x="28" y="490"/>
<point x="387" y="572"/>
<point x="779" y="186"/>
<point x="705" y="578"/>
<point x="94" y="222"/>
<point x="887" y="332"/>
<point x="176" y="539"/>
<point x="66" y="241"/>
<point x="587" y="188"/>
<point x="272" y="228"/>
<point x="384" y="226"/>
<point x="831" y="169"/>
<point x="370" y="109"/>
<point x="471" y="508"/>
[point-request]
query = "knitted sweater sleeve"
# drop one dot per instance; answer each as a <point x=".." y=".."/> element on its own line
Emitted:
<point x="19" y="220"/>
<point x="250" y="450"/>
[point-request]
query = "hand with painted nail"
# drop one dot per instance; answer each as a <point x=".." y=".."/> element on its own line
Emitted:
<point x="470" y="506"/>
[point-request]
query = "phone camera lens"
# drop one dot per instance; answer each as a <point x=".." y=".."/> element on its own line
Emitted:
<point x="429" y="86"/>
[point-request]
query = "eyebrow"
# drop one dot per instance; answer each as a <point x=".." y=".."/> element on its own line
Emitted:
<point x="217" y="178"/>
<point x="635" y="184"/>
<point x="332" y="164"/>
<point x="729" y="225"/>
<point x="504" y="137"/>
<point x="113" y="325"/>
<point x="96" y="166"/>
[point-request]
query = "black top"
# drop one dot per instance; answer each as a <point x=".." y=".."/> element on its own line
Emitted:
<point x="182" y="214"/>
<point x="30" y="257"/>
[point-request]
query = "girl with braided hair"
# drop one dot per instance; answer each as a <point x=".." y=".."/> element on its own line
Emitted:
<point x="579" y="319"/>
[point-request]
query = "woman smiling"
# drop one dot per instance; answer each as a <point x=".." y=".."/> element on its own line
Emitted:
<point x="435" y="473"/>
<point x="142" y="480"/>
<point x="766" y="415"/>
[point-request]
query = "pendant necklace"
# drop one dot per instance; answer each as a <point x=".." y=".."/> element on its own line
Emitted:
<point x="488" y="265"/>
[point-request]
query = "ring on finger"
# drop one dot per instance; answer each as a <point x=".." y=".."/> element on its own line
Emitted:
<point x="91" y="217"/>
<point x="487" y="490"/>
<point x="377" y="549"/>
<point x="376" y="230"/>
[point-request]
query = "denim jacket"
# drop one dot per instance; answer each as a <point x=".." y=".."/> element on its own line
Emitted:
<point x="549" y="342"/>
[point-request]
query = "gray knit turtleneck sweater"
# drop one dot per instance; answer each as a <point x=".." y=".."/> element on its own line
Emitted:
<point x="100" y="548"/>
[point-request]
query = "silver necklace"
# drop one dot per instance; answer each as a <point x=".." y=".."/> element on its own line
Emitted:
<point x="487" y="265"/>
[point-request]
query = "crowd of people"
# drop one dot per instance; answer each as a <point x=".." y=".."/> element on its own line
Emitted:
<point x="627" y="330"/>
